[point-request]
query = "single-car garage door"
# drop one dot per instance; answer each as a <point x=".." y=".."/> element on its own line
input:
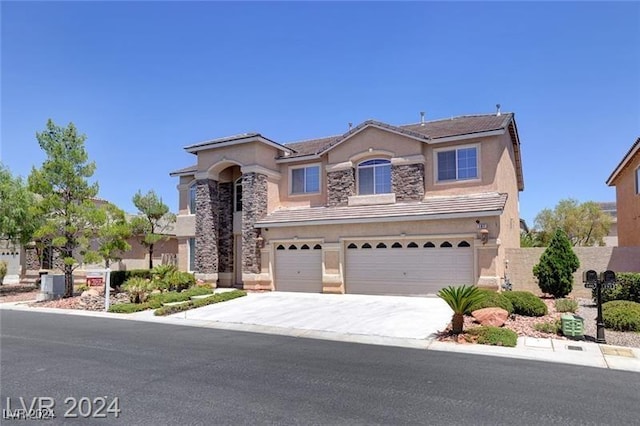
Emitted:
<point x="407" y="267"/>
<point x="298" y="267"/>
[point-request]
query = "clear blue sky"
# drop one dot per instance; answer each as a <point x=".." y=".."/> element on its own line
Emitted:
<point x="142" y="80"/>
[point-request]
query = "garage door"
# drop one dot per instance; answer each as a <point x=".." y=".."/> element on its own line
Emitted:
<point x="407" y="267"/>
<point x="298" y="267"/>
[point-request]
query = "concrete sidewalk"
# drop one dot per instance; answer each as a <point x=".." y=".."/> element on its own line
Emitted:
<point x="350" y="326"/>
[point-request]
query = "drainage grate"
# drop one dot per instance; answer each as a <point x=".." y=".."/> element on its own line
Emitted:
<point x="575" y="348"/>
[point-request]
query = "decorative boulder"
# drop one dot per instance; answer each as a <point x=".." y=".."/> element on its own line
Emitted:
<point x="491" y="316"/>
<point x="90" y="293"/>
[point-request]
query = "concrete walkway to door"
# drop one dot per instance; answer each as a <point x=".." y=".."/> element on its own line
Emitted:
<point x="372" y="316"/>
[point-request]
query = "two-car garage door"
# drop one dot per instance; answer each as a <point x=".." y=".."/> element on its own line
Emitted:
<point x="418" y="267"/>
<point x="407" y="268"/>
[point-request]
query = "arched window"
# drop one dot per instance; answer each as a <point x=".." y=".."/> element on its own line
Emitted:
<point x="237" y="195"/>
<point x="396" y="245"/>
<point x="374" y="177"/>
<point x="317" y="247"/>
<point x="412" y="245"/>
<point x="352" y="246"/>
<point x="366" y="246"/>
<point x="192" y="199"/>
<point x="381" y="245"/>
<point x="464" y="244"/>
<point x="293" y="247"/>
<point x="280" y="247"/>
<point x="428" y="244"/>
<point x="304" y="247"/>
<point x="446" y="244"/>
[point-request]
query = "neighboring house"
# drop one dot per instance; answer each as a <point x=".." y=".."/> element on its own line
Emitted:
<point x="380" y="209"/>
<point x="626" y="178"/>
<point x="609" y="207"/>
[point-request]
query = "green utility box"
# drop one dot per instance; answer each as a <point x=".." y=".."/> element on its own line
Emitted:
<point x="572" y="325"/>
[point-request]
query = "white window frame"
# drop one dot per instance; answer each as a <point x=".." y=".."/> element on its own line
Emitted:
<point x="190" y="253"/>
<point x="374" y="176"/>
<point x="191" y="187"/>
<point x="305" y="166"/>
<point x="456" y="148"/>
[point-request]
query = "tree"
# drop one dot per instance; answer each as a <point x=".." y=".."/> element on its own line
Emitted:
<point x="460" y="299"/>
<point x="585" y="224"/>
<point x="18" y="221"/>
<point x="154" y="220"/>
<point x="111" y="239"/>
<point x="557" y="265"/>
<point x="70" y="216"/>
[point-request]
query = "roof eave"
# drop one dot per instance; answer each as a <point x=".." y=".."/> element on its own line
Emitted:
<point x="193" y="149"/>
<point x="393" y="218"/>
<point x="623" y="163"/>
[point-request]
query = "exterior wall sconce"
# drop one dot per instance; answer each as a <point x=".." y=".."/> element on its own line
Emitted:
<point x="484" y="236"/>
<point x="260" y="241"/>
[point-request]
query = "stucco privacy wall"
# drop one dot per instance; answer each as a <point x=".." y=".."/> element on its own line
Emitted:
<point x="617" y="259"/>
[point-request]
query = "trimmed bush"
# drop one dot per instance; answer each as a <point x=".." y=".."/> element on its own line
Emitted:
<point x="119" y="277"/>
<point x="556" y="267"/>
<point x="491" y="299"/>
<point x="526" y="303"/>
<point x="496" y="336"/>
<point x="566" y="305"/>
<point x="548" y="327"/>
<point x="178" y="281"/>
<point x="621" y="315"/>
<point x="128" y="308"/>
<point x="192" y="304"/>
<point x="627" y="288"/>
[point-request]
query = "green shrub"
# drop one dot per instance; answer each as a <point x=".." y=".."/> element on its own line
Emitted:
<point x="548" y="327"/>
<point x="566" y="305"/>
<point x="178" y="281"/>
<point x="161" y="271"/>
<point x="139" y="289"/>
<point x="557" y="265"/>
<point x="82" y="287"/>
<point x="491" y="299"/>
<point x="627" y="288"/>
<point x="621" y="315"/>
<point x="128" y="308"/>
<point x="119" y="277"/>
<point x="526" y="303"/>
<point x="156" y="300"/>
<point x="192" y="304"/>
<point x="496" y="336"/>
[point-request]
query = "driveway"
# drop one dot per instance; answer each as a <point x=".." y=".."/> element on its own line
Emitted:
<point x="383" y="316"/>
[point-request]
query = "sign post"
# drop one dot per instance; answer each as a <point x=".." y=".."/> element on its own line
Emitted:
<point x="606" y="279"/>
<point x="98" y="277"/>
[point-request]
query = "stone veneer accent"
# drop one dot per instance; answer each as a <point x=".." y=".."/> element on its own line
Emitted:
<point x="207" y="226"/>
<point x="225" y="230"/>
<point x="254" y="208"/>
<point x="341" y="184"/>
<point x="407" y="181"/>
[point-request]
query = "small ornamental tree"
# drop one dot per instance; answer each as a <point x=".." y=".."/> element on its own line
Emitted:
<point x="153" y="222"/>
<point x="557" y="265"/>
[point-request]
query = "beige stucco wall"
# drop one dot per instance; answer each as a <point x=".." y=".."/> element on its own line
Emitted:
<point x="377" y="140"/>
<point x="617" y="259"/>
<point x="247" y="154"/>
<point x="628" y="205"/>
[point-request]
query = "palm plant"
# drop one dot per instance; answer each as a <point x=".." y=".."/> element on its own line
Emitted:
<point x="459" y="300"/>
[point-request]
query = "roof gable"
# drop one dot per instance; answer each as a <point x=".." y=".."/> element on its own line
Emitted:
<point x="633" y="151"/>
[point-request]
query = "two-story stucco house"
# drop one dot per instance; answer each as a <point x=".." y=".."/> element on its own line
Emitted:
<point x="380" y="209"/>
<point x="626" y="179"/>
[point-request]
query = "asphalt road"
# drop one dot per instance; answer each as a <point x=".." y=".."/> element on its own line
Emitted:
<point x="165" y="374"/>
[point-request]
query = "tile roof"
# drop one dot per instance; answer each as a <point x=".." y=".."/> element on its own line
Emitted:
<point x="430" y="208"/>
<point x="454" y="126"/>
<point x="635" y="148"/>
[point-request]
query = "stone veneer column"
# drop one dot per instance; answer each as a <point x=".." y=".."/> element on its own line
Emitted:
<point x="341" y="184"/>
<point x="225" y="230"/>
<point x="407" y="181"/>
<point x="254" y="208"/>
<point x="207" y="229"/>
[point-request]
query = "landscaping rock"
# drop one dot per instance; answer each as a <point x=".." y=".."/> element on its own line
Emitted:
<point x="491" y="316"/>
<point x="90" y="293"/>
